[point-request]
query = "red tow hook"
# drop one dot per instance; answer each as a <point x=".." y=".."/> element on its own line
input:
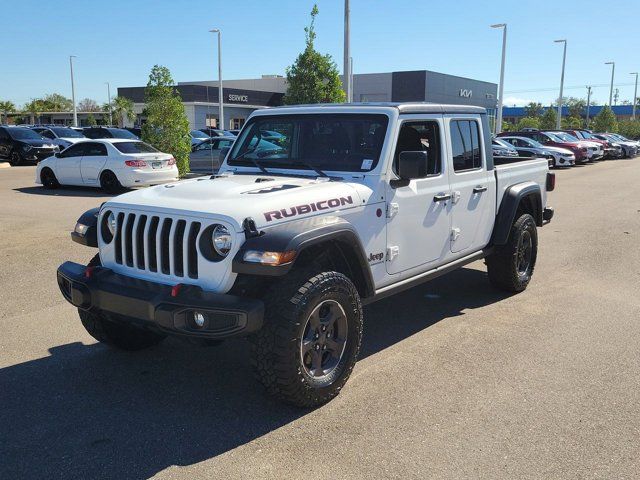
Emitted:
<point x="175" y="290"/>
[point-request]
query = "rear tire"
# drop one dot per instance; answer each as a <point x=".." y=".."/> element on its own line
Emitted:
<point x="116" y="334"/>
<point x="309" y="344"/>
<point x="511" y="266"/>
<point x="109" y="182"/>
<point x="48" y="179"/>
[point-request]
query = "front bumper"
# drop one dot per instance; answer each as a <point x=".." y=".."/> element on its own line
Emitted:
<point x="157" y="306"/>
<point x="36" y="154"/>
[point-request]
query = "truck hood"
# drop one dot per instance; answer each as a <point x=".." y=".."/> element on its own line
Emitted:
<point x="267" y="199"/>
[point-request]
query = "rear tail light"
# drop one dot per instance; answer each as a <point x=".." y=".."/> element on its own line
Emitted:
<point x="551" y="181"/>
<point x="135" y="163"/>
<point x="172" y="161"/>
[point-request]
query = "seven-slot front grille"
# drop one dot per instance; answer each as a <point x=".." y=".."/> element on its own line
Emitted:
<point x="157" y="244"/>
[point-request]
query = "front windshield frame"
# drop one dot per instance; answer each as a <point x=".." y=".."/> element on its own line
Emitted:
<point x="247" y="136"/>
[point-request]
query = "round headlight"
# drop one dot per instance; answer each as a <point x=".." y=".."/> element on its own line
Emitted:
<point x="221" y="239"/>
<point x="111" y="223"/>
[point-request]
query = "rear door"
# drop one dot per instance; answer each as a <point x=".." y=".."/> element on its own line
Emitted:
<point x="418" y="214"/>
<point x="472" y="186"/>
<point x="94" y="157"/>
<point x="68" y="165"/>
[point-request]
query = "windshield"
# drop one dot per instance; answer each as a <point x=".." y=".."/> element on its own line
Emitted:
<point x="532" y="142"/>
<point x="121" y="133"/>
<point x="67" y="132"/>
<point x="19" y="133"/>
<point x="554" y="137"/>
<point x="334" y="142"/>
<point x="503" y="143"/>
<point x="199" y="134"/>
<point x="565" y="136"/>
<point x="134" y="147"/>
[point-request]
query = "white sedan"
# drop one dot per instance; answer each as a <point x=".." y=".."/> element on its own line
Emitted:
<point x="107" y="163"/>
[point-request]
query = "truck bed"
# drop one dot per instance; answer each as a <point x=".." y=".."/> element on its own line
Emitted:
<point x="522" y="169"/>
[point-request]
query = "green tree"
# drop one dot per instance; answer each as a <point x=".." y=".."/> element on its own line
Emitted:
<point x="121" y="108"/>
<point x="88" y="105"/>
<point x="6" y="107"/>
<point x="528" y="122"/>
<point x="508" y="126"/>
<point x="605" y="120"/>
<point x="576" y="106"/>
<point x="91" y="120"/>
<point x="54" y="102"/>
<point x="34" y="108"/>
<point x="313" y="77"/>
<point x="629" y="128"/>
<point x="572" y="122"/>
<point x="167" y="127"/>
<point x="533" y="109"/>
<point x="549" y="118"/>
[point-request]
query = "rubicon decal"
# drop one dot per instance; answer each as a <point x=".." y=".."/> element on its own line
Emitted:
<point x="307" y="208"/>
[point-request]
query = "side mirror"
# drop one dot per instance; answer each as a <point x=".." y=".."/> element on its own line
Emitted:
<point x="57" y="154"/>
<point x="411" y="164"/>
<point x="223" y="154"/>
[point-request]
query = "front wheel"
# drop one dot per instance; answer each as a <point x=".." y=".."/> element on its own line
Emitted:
<point x="15" y="159"/>
<point x="48" y="179"/>
<point x="117" y="334"/>
<point x="310" y="342"/>
<point x="511" y="266"/>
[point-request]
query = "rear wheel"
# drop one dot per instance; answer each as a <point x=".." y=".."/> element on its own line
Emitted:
<point x="48" y="179"/>
<point x="511" y="266"/>
<point x="117" y="334"/>
<point x="109" y="182"/>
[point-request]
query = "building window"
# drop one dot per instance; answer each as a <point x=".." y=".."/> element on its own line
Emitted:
<point x="237" y="123"/>
<point x="211" y="121"/>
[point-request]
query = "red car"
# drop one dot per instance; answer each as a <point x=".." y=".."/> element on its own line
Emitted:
<point x="549" y="139"/>
<point x="609" y="150"/>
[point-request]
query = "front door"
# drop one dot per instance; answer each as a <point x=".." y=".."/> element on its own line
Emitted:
<point x="472" y="187"/>
<point x="68" y="165"/>
<point x="419" y="214"/>
<point x="94" y="158"/>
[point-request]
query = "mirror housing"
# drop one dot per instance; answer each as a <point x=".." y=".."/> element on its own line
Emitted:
<point x="223" y="154"/>
<point x="57" y="154"/>
<point x="411" y="164"/>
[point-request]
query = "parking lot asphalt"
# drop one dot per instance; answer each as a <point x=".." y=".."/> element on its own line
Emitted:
<point x="456" y="380"/>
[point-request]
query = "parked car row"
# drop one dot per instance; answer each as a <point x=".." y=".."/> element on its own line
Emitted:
<point x="569" y="147"/>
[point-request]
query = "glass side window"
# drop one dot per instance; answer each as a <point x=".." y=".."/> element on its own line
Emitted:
<point x="95" y="150"/>
<point x="420" y="136"/>
<point x="465" y="145"/>
<point x="76" y="150"/>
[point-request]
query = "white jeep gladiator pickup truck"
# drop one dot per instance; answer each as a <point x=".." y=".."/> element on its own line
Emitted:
<point x="346" y="205"/>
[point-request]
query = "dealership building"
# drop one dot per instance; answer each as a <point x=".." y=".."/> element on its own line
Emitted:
<point x="241" y="97"/>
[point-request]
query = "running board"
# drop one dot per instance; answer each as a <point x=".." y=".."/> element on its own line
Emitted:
<point x="402" y="285"/>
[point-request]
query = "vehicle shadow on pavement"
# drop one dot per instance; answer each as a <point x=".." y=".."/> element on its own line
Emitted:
<point x="65" y="191"/>
<point x="86" y="411"/>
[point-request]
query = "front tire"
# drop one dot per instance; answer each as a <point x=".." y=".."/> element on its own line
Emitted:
<point x="309" y="344"/>
<point x="117" y="334"/>
<point x="511" y="266"/>
<point x="109" y="182"/>
<point x="15" y="159"/>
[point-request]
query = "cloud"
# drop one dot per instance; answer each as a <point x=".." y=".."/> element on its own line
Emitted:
<point x="516" y="101"/>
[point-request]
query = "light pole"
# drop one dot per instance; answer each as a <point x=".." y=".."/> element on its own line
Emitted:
<point x="501" y="90"/>
<point x="635" y="96"/>
<point x="588" y="104"/>
<point x="220" y="95"/>
<point x="73" y="92"/>
<point x="347" y="52"/>
<point x="613" y="70"/>
<point x="109" y="97"/>
<point x="564" y="58"/>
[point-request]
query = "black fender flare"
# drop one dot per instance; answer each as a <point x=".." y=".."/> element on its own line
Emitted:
<point x="88" y="237"/>
<point x="299" y="235"/>
<point x="509" y="206"/>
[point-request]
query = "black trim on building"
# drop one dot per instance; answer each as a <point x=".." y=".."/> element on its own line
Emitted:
<point x="206" y="94"/>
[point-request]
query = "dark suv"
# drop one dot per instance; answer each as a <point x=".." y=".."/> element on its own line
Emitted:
<point x="550" y="140"/>
<point x="22" y="145"/>
<point x="108" y="132"/>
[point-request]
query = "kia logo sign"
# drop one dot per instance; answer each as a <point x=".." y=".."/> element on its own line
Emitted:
<point x="238" y="98"/>
<point x="466" y="93"/>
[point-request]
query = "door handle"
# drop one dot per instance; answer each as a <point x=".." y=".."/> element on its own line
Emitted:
<point x="480" y="189"/>
<point x="442" y="198"/>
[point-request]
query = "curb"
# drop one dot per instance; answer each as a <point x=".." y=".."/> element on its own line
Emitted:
<point x="5" y="165"/>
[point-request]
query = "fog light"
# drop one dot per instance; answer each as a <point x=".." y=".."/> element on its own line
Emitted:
<point x="198" y="319"/>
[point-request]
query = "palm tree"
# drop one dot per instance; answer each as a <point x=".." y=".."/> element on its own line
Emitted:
<point x="6" y="107"/>
<point x="34" y="107"/>
<point x="122" y="108"/>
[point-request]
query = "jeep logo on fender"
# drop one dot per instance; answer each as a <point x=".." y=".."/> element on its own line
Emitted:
<point x="307" y="208"/>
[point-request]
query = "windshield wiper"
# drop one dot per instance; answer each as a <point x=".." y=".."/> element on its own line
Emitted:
<point x="253" y="160"/>
<point x="302" y="163"/>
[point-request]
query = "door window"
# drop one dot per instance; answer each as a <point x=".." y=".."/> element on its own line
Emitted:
<point x="465" y="145"/>
<point x="420" y="136"/>
<point x="224" y="144"/>
<point x="95" y="150"/>
<point x="206" y="145"/>
<point x="76" y="150"/>
<point x="47" y="134"/>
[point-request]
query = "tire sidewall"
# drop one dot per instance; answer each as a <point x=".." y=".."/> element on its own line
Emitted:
<point x="114" y="187"/>
<point x="15" y="158"/>
<point x="524" y="222"/>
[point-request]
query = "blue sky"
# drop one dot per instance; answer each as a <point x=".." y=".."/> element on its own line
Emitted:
<point x="120" y="40"/>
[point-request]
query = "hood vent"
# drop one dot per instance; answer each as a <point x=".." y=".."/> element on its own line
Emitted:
<point x="275" y="188"/>
<point x="263" y="179"/>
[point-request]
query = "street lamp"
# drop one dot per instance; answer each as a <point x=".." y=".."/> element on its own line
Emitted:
<point x="564" y="58"/>
<point x="613" y="70"/>
<point x="635" y="96"/>
<point x="347" y="53"/>
<point x="109" y="97"/>
<point x="498" y="126"/>
<point x="73" y="92"/>
<point x="220" y="95"/>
